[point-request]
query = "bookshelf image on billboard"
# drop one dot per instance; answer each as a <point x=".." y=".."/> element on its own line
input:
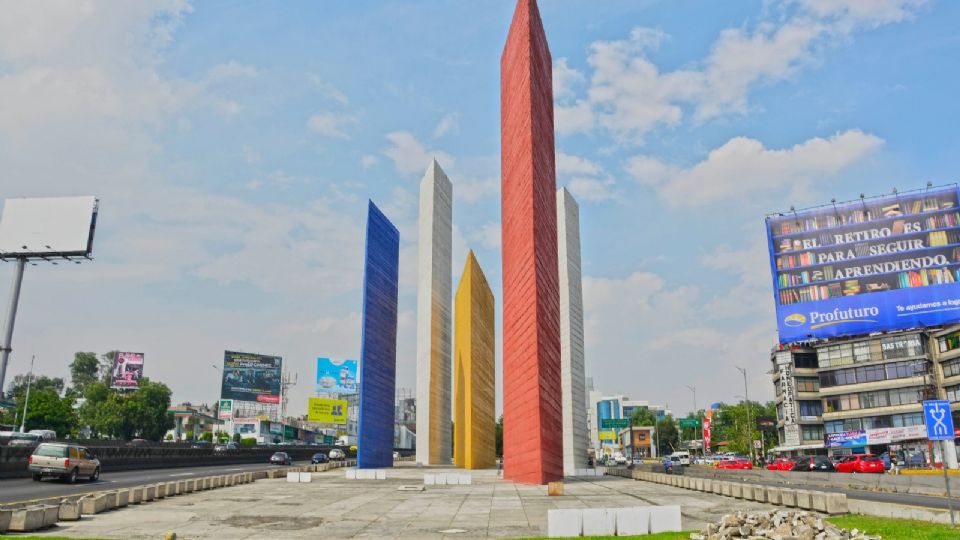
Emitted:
<point x="898" y="242"/>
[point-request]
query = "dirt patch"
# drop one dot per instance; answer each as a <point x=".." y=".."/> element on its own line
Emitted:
<point x="277" y="523"/>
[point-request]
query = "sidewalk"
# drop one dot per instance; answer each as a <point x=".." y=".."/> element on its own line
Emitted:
<point x="334" y="507"/>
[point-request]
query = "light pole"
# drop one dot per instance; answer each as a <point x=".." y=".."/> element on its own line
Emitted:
<point x="746" y="396"/>
<point x="697" y="412"/>
<point x="26" y="401"/>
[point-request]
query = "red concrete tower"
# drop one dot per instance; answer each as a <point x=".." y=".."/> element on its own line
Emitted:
<point x="532" y="415"/>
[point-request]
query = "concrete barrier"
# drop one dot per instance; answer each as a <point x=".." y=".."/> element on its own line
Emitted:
<point x="774" y="495"/>
<point x="149" y="493"/>
<point x="177" y="487"/>
<point x="726" y="489"/>
<point x="633" y="521"/>
<point x="67" y="511"/>
<point x="788" y="497"/>
<point x="707" y="485"/>
<point x="136" y="495"/>
<point x="5" y="520"/>
<point x="121" y="498"/>
<point x="718" y="487"/>
<point x="26" y="519"/>
<point x="160" y="491"/>
<point x="188" y="486"/>
<point x="599" y="522"/>
<point x="760" y="494"/>
<point x="51" y="513"/>
<point x="566" y="522"/>
<point x="835" y="503"/>
<point x="804" y="499"/>
<point x="93" y="504"/>
<point x="664" y="519"/>
<point x="736" y="490"/>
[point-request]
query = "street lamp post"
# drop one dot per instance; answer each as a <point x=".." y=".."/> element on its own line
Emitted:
<point x="699" y="422"/>
<point x="26" y="402"/>
<point x="746" y="396"/>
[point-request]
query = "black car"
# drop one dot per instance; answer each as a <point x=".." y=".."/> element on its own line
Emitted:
<point x="319" y="457"/>
<point x="813" y="464"/>
<point x="280" y="458"/>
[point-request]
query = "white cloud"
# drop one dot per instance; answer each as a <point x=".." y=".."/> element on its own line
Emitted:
<point x="743" y="166"/>
<point x="570" y="164"/>
<point x="488" y="236"/>
<point x="565" y="80"/>
<point x="331" y="124"/>
<point x="471" y="190"/>
<point x="410" y="156"/>
<point x="448" y="124"/>
<point x="368" y="160"/>
<point x="592" y="189"/>
<point x="327" y="90"/>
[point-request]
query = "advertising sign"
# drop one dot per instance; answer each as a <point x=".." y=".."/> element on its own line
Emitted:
<point x="846" y="438"/>
<point x="276" y="428"/>
<point x="327" y="411"/>
<point x="936" y="415"/>
<point x="251" y="377"/>
<point x="895" y="434"/>
<point x="608" y="436"/>
<point x="791" y="435"/>
<point x="707" y="424"/>
<point x="336" y="376"/>
<point x="689" y="422"/>
<point x="225" y="410"/>
<point x="127" y="370"/>
<point x="872" y="265"/>
<point x="48" y="227"/>
<point x="614" y="423"/>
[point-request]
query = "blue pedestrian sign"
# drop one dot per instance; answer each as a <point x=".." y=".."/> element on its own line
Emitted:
<point x="936" y="414"/>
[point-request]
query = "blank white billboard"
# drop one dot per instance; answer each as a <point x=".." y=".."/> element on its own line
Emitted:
<point x="48" y="226"/>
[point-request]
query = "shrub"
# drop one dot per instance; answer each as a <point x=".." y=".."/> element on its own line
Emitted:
<point x="237" y="438"/>
<point x="189" y="435"/>
<point x="169" y="437"/>
<point x="206" y="436"/>
<point x="248" y="441"/>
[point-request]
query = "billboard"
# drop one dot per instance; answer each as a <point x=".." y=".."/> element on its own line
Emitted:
<point x="876" y="264"/>
<point x="52" y="226"/>
<point x="327" y="411"/>
<point x="225" y="409"/>
<point x="846" y="439"/>
<point x="251" y="377"/>
<point x="336" y="376"/>
<point x="127" y="370"/>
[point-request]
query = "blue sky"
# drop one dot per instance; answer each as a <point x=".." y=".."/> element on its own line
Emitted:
<point x="234" y="145"/>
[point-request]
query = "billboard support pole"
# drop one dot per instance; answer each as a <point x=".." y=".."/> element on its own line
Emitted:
<point x="7" y="346"/>
<point x="946" y="481"/>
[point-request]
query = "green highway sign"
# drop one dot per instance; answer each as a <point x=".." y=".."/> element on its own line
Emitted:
<point x="689" y="422"/>
<point x="614" y="423"/>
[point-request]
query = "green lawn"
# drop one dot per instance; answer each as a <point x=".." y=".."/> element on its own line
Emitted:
<point x="897" y="529"/>
<point x="658" y="536"/>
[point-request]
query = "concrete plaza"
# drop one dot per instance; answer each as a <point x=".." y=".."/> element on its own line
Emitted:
<point x="332" y="506"/>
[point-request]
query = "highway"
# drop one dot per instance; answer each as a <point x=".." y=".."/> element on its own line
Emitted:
<point x="24" y="489"/>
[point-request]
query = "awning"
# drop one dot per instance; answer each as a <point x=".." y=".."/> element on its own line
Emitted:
<point x="813" y="446"/>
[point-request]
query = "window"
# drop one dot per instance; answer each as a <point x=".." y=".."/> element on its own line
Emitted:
<point x="907" y="419"/>
<point x="870" y="373"/>
<point x="900" y="370"/>
<point x="810" y="408"/>
<point x="847" y="402"/>
<point x="805" y="360"/>
<point x="812" y="433"/>
<point x="780" y="411"/>
<point x="949" y="342"/>
<point x="951" y="368"/>
<point x="806" y="384"/>
<point x="837" y="426"/>
<point x="901" y="346"/>
<point x="874" y="422"/>
<point x="861" y="352"/>
<point x="836" y="355"/>
<point x="953" y="392"/>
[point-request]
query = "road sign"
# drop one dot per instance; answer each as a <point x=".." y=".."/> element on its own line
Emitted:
<point x="608" y="436"/>
<point x="757" y="444"/>
<point x="936" y="414"/>
<point x="689" y="422"/>
<point x="614" y="423"/>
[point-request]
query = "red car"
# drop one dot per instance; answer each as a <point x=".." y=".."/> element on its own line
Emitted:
<point x="734" y="464"/>
<point x="861" y="463"/>
<point x="780" y="464"/>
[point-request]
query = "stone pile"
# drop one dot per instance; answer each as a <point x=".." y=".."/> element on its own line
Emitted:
<point x="778" y="525"/>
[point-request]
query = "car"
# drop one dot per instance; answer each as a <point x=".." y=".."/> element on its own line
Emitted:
<point x="201" y="444"/>
<point x="671" y="465"/>
<point x="336" y="453"/>
<point x="684" y="457"/>
<point x="138" y="442"/>
<point x="736" y="464"/>
<point x="637" y="460"/>
<point x="280" y="458"/>
<point x="319" y="457"/>
<point x="780" y="464"/>
<point x="24" y="439"/>
<point x="45" y="435"/>
<point x="66" y="461"/>
<point x="396" y="455"/>
<point x="813" y="464"/>
<point x="861" y="463"/>
<point x="219" y="448"/>
<point x="233" y="446"/>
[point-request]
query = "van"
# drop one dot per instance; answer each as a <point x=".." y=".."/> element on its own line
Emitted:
<point x="46" y="435"/>
<point x="684" y="457"/>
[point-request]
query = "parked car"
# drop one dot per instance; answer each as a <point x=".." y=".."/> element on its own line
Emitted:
<point x="738" y="464"/>
<point x="637" y="460"/>
<point x="201" y="444"/>
<point x="780" y="464"/>
<point x="336" y="453"/>
<point x="280" y="458"/>
<point x="396" y="455"/>
<point x="138" y="442"/>
<point x="319" y="457"/>
<point x="861" y="463"/>
<point x="17" y="438"/>
<point x="66" y="461"/>
<point x="46" y="435"/>
<point x="813" y="464"/>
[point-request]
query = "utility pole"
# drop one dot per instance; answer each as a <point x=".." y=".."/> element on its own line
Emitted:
<point x="7" y="346"/>
<point x="699" y="421"/>
<point x="26" y="401"/>
<point x="746" y="396"/>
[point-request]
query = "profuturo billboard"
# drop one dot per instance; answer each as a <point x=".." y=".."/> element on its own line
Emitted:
<point x="872" y="265"/>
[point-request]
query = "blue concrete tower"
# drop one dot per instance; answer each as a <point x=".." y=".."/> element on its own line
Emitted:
<point x="378" y="350"/>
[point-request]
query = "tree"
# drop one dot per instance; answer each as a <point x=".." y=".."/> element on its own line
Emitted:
<point x="18" y="387"/>
<point x="669" y="439"/>
<point x="84" y="370"/>
<point x="141" y="413"/>
<point x="643" y="416"/>
<point x="730" y="424"/>
<point x="47" y="410"/>
<point x="499" y="436"/>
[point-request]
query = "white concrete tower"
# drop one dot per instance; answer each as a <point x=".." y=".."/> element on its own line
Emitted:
<point x="434" y="330"/>
<point x="572" y="372"/>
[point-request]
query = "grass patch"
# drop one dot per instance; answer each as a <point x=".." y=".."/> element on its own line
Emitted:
<point x="658" y="536"/>
<point x="897" y="529"/>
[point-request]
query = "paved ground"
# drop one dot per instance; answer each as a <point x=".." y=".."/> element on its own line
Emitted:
<point x="23" y="489"/>
<point x="333" y="507"/>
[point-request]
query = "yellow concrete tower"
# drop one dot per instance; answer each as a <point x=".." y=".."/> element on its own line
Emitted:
<point x="474" y="438"/>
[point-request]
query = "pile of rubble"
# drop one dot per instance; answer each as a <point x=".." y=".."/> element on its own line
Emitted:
<point x="778" y="525"/>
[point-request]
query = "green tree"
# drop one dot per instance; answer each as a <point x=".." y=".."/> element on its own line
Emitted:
<point x="499" y="436"/>
<point x="18" y="387"/>
<point x="84" y="370"/>
<point x="47" y="410"/>
<point x="106" y="366"/>
<point x="730" y="424"/>
<point x="669" y="439"/>
<point x="643" y="416"/>
<point x="141" y="413"/>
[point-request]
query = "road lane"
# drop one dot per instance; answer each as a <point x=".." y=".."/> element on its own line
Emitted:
<point x="24" y="489"/>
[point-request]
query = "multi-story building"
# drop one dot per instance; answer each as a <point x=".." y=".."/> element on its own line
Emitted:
<point x="864" y="394"/>
<point x="613" y="407"/>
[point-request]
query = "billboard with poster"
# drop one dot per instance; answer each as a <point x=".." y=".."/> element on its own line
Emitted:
<point x="48" y="227"/>
<point x="127" y="370"/>
<point x="875" y="264"/>
<point x="327" y="411"/>
<point x="336" y="376"/>
<point x="251" y="377"/>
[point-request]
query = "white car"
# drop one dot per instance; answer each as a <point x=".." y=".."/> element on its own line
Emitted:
<point x="396" y="455"/>
<point x="336" y="453"/>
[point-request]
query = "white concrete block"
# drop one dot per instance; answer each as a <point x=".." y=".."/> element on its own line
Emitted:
<point x="664" y="519"/>
<point x="599" y="522"/>
<point x="306" y="477"/>
<point x="429" y="479"/>
<point x="381" y="474"/>
<point x="441" y="479"/>
<point x="565" y="522"/>
<point x="453" y="479"/>
<point x="293" y="477"/>
<point x="351" y="474"/>
<point x="633" y="521"/>
<point x="466" y="479"/>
